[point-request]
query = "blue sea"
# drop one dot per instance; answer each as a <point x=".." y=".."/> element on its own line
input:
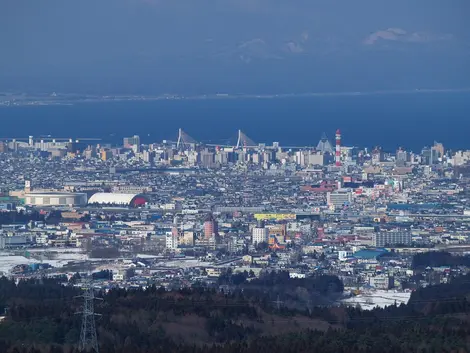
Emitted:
<point x="412" y="120"/>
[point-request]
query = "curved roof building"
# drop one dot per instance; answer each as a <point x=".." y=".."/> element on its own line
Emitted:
<point x="108" y="198"/>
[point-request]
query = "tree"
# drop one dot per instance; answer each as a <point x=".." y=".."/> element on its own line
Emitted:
<point x="75" y="278"/>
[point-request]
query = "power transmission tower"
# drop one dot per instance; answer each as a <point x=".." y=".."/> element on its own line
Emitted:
<point x="88" y="338"/>
<point x="278" y="303"/>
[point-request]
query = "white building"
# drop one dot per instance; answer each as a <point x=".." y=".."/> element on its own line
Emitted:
<point x="259" y="235"/>
<point x="118" y="276"/>
<point x="297" y="275"/>
<point x="461" y="157"/>
<point x="171" y="241"/>
<point x="316" y="158"/>
<point x="381" y="281"/>
<point x="344" y="254"/>
<point x="339" y="198"/>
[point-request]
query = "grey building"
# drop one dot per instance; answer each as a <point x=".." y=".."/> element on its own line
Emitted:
<point x="339" y="198"/>
<point x="13" y="241"/>
<point x="391" y="238"/>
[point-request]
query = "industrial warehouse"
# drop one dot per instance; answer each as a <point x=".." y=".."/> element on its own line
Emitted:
<point x="55" y="199"/>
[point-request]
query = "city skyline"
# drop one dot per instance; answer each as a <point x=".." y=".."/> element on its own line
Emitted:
<point x="390" y="120"/>
<point x="250" y="176"/>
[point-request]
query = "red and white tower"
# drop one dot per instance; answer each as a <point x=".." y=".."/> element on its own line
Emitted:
<point x="338" y="148"/>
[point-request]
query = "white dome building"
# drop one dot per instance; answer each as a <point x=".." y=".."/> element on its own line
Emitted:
<point x="108" y="198"/>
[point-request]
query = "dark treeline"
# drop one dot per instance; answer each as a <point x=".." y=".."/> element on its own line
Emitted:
<point x="40" y="318"/>
<point x="20" y="217"/>
<point x="295" y="293"/>
<point x="439" y="258"/>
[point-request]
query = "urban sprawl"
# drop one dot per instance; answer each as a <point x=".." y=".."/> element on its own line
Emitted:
<point x="180" y="213"/>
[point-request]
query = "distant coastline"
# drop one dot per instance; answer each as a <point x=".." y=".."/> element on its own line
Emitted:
<point x="407" y="119"/>
<point x="8" y="99"/>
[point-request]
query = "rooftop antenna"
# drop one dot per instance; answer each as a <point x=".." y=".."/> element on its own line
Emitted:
<point x="88" y="339"/>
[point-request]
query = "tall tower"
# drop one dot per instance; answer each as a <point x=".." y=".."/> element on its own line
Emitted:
<point x="88" y="340"/>
<point x="244" y="141"/>
<point x="338" y="148"/>
<point x="184" y="141"/>
<point x="210" y="226"/>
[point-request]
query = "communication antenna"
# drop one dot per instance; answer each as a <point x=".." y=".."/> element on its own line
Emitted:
<point x="88" y="338"/>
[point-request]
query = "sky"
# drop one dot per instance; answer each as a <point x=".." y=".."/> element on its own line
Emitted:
<point x="233" y="46"/>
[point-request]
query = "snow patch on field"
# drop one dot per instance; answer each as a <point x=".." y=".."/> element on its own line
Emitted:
<point x="380" y="298"/>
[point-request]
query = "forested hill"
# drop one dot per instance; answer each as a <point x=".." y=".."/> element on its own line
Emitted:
<point x="41" y="318"/>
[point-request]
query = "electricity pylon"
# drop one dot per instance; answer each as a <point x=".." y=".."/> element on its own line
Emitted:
<point x="88" y="338"/>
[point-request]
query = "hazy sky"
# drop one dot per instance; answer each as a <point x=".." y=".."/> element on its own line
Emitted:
<point x="196" y="46"/>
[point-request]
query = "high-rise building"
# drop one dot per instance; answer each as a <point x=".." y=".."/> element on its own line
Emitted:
<point x="391" y="238"/>
<point x="439" y="149"/>
<point x="402" y="156"/>
<point x="268" y="156"/>
<point x="106" y="155"/>
<point x="338" y="148"/>
<point x="255" y="158"/>
<point x="377" y="155"/>
<point x="206" y="159"/>
<point x="300" y="158"/>
<point x="429" y="156"/>
<point x="221" y="157"/>
<point x="259" y="234"/>
<point x="171" y="241"/>
<point x="131" y="141"/>
<point x="210" y="227"/>
<point x="148" y="156"/>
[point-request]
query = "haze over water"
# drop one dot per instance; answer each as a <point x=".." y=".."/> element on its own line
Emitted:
<point x="389" y="120"/>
